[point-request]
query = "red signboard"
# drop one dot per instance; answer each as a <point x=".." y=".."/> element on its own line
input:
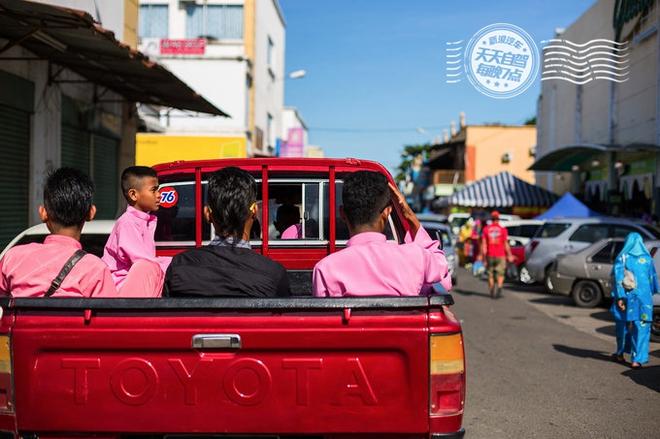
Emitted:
<point x="192" y="46"/>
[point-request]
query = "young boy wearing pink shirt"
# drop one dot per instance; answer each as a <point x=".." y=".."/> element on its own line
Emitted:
<point x="131" y="244"/>
<point x="31" y="270"/>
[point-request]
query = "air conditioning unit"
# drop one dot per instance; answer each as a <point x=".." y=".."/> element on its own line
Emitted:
<point x="506" y="157"/>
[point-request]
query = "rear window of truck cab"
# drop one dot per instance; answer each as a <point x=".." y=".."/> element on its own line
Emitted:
<point x="297" y="214"/>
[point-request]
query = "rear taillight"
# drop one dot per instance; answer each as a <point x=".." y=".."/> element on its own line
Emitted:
<point x="532" y="247"/>
<point x="447" y="375"/>
<point x="6" y="397"/>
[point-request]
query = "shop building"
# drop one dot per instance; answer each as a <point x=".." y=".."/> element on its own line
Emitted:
<point x="600" y="139"/>
<point x="68" y="89"/>
<point x="476" y="151"/>
<point x="230" y="51"/>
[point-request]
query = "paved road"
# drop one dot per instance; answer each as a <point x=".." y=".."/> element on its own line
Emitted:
<point x="538" y="367"/>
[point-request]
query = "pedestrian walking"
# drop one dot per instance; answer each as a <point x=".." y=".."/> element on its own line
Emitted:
<point x="496" y="251"/>
<point x="464" y="241"/>
<point x="635" y="281"/>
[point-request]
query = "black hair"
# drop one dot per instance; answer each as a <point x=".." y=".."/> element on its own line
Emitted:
<point x="68" y="197"/>
<point x="286" y="216"/>
<point x="365" y="194"/>
<point x="231" y="192"/>
<point x="132" y="176"/>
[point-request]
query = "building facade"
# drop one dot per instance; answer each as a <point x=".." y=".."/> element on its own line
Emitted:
<point x="294" y="134"/>
<point x="477" y="151"/>
<point x="119" y="16"/>
<point x="232" y="53"/>
<point x="63" y="105"/>
<point x="599" y="140"/>
<point x="470" y="154"/>
<point x="54" y="117"/>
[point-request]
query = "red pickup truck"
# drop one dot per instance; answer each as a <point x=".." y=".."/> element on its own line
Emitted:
<point x="379" y="367"/>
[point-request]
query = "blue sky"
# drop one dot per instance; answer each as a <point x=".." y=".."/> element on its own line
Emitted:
<point x="377" y="66"/>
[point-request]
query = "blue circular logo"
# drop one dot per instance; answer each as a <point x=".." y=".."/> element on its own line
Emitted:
<point x="501" y="60"/>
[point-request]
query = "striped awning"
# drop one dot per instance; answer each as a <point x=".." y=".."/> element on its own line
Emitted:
<point x="502" y="190"/>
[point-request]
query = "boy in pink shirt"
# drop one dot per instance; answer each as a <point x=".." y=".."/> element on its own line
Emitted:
<point x="370" y="265"/>
<point x="30" y="270"/>
<point x="131" y="244"/>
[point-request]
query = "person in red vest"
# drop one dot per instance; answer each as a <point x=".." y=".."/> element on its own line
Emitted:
<point x="496" y="251"/>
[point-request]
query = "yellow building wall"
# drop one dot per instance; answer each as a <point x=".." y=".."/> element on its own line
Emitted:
<point x="492" y="142"/>
<point x="131" y="10"/>
<point x="151" y="149"/>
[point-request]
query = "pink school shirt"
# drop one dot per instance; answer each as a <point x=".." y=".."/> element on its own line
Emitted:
<point x="28" y="271"/>
<point x="292" y="232"/>
<point x="372" y="266"/>
<point x="132" y="239"/>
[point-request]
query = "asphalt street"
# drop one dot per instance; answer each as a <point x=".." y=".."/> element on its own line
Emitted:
<point x="539" y="367"/>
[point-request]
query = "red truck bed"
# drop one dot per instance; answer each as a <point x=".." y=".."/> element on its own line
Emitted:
<point x="308" y="366"/>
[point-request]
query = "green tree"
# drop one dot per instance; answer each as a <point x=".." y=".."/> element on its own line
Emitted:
<point x="407" y="155"/>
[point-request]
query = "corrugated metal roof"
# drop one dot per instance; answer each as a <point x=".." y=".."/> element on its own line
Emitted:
<point x="72" y="39"/>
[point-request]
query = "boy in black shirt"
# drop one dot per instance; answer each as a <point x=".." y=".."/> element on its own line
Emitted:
<point x="227" y="267"/>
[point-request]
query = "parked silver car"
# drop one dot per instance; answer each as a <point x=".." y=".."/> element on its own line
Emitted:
<point x="586" y="274"/>
<point x="442" y="232"/>
<point x="570" y="235"/>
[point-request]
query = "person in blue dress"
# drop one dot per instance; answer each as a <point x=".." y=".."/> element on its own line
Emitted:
<point x="632" y="304"/>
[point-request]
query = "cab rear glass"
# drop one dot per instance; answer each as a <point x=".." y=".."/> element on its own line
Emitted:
<point x="298" y="214"/>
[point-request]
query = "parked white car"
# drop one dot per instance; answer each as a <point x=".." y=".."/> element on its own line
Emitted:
<point x="94" y="236"/>
<point x="569" y="235"/>
<point x="522" y="230"/>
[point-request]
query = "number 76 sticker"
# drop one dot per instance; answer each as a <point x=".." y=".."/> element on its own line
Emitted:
<point x="168" y="197"/>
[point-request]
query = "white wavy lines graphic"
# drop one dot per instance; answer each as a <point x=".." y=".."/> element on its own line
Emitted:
<point x="597" y="40"/>
<point x="580" y="64"/>
<point x="454" y="67"/>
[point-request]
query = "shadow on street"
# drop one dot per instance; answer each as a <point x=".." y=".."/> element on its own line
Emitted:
<point x="582" y="353"/>
<point x="603" y="315"/>
<point x="481" y="294"/>
<point x="607" y="330"/>
<point x="554" y="300"/>
<point x="522" y="288"/>
<point x="646" y="376"/>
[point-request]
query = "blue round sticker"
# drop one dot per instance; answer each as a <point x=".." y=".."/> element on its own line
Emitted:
<point x="501" y="60"/>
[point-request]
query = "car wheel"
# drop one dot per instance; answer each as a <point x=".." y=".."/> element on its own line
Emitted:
<point x="547" y="281"/>
<point x="524" y="277"/>
<point x="586" y="294"/>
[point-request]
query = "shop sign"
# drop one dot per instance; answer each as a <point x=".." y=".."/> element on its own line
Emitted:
<point x="642" y="167"/>
<point x="190" y="46"/>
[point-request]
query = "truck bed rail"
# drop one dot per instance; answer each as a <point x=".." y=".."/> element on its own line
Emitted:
<point x="308" y="303"/>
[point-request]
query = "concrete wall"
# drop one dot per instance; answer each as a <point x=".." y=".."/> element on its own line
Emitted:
<point x="490" y="143"/>
<point x="291" y="119"/>
<point x="636" y="112"/>
<point x="269" y="79"/>
<point x="224" y="73"/>
<point x="221" y="79"/>
<point x="45" y="135"/>
<point x="568" y="114"/>
<point x="119" y="16"/>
